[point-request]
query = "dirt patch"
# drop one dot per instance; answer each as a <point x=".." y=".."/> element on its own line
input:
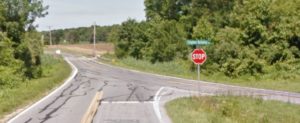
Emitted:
<point x="87" y="49"/>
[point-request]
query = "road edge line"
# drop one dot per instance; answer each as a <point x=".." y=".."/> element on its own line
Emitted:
<point x="156" y="104"/>
<point x="126" y="102"/>
<point x="74" y="72"/>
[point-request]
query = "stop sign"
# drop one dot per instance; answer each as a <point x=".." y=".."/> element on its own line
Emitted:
<point x="199" y="56"/>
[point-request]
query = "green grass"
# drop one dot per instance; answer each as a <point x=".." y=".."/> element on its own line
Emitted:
<point x="181" y="69"/>
<point x="32" y="90"/>
<point x="229" y="109"/>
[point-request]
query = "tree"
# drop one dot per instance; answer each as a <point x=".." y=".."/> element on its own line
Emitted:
<point x="203" y="30"/>
<point x="10" y="68"/>
<point x="19" y="17"/>
<point x="17" y="21"/>
<point x="250" y="36"/>
<point x="166" y="9"/>
<point x="167" y="41"/>
<point x="130" y="39"/>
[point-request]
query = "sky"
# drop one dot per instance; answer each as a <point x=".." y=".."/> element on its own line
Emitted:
<point x="82" y="13"/>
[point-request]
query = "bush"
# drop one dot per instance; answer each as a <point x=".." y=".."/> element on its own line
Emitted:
<point x="250" y="37"/>
<point x="10" y="68"/>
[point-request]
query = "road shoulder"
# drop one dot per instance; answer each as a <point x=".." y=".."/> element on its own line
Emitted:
<point x="10" y="118"/>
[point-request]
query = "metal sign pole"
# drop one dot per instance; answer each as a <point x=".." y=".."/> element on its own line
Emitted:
<point x="198" y="72"/>
<point x="198" y="57"/>
<point x="198" y="46"/>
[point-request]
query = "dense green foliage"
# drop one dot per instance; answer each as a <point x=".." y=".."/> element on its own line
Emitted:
<point x="78" y="35"/>
<point x="20" y="45"/>
<point x="230" y="109"/>
<point x="250" y="37"/>
<point x="155" y="41"/>
<point x="8" y="64"/>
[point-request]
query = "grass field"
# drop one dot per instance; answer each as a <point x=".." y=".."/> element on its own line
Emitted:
<point x="181" y="69"/>
<point x="229" y="109"/>
<point x="32" y="90"/>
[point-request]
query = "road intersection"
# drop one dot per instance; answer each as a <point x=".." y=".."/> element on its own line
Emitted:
<point x="129" y="96"/>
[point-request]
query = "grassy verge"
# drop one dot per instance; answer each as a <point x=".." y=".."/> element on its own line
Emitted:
<point x="229" y="109"/>
<point x="181" y="69"/>
<point x="32" y="90"/>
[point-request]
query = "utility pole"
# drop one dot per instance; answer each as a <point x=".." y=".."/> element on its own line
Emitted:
<point x="50" y="35"/>
<point x="94" y="50"/>
<point x="42" y="40"/>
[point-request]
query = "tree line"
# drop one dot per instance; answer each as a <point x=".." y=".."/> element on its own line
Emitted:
<point x="249" y="37"/>
<point x="78" y="35"/>
<point x="20" y="44"/>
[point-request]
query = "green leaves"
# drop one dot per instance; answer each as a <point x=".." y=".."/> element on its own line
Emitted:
<point x="203" y="30"/>
<point x="250" y="37"/>
<point x="10" y="68"/>
<point x="258" y="38"/>
<point x="167" y="41"/>
<point x="20" y="45"/>
<point x="155" y="41"/>
<point x="130" y="39"/>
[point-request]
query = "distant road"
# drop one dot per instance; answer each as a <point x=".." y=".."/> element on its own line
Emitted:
<point x="129" y="96"/>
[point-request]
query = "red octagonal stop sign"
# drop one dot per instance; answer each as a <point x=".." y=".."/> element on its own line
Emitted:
<point x="199" y="56"/>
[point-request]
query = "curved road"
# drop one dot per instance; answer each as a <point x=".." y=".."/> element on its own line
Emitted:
<point x="129" y="96"/>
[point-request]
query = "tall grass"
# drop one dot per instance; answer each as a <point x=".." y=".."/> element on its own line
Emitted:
<point x="178" y="68"/>
<point x="30" y="91"/>
<point x="229" y="109"/>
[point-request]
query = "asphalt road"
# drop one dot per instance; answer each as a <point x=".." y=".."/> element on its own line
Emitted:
<point x="129" y="96"/>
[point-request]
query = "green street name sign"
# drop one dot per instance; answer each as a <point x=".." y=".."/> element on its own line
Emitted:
<point x="198" y="42"/>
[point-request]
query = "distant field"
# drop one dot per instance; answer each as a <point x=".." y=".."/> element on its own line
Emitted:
<point x="86" y="49"/>
<point x="221" y="109"/>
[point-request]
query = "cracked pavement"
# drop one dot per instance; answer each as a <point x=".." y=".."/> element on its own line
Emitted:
<point x="129" y="96"/>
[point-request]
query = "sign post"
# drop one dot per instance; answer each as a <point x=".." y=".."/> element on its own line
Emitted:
<point x="199" y="57"/>
<point x="198" y="72"/>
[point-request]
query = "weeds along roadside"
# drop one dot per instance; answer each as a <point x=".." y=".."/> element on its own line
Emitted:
<point x="30" y="91"/>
